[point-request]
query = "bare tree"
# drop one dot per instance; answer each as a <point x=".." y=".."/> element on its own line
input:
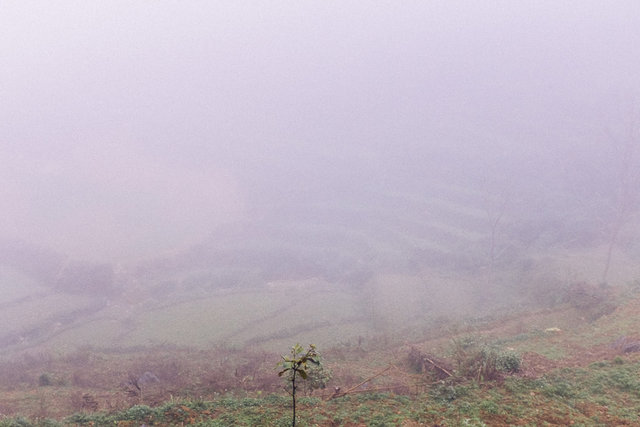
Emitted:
<point x="626" y="191"/>
<point x="495" y="206"/>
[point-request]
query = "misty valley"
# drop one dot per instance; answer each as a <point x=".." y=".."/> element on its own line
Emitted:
<point x="319" y="213"/>
<point x="323" y="273"/>
<point x="423" y="281"/>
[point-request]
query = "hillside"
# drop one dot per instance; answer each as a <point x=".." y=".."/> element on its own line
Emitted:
<point x="448" y="273"/>
<point x="347" y="268"/>
<point x="578" y="363"/>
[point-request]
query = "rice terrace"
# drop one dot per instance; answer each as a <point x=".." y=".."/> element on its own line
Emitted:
<point x="309" y="213"/>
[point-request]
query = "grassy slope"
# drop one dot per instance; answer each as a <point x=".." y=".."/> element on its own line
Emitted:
<point x="382" y="262"/>
<point x="570" y="375"/>
<point x="199" y="308"/>
<point x="428" y="253"/>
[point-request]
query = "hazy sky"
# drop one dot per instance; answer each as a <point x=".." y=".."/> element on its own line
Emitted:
<point x="132" y="128"/>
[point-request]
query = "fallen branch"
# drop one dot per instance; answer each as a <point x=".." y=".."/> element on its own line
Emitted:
<point x="351" y="390"/>
<point x="425" y="362"/>
<point x="369" y="390"/>
<point x="440" y="368"/>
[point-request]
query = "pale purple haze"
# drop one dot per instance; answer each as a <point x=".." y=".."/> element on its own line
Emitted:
<point x="133" y="129"/>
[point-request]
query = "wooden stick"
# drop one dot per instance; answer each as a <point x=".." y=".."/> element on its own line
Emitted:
<point x="344" y="393"/>
<point x="363" y="382"/>
<point x="439" y="367"/>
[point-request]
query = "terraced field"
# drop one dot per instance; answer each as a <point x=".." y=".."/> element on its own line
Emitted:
<point x="369" y="280"/>
<point x="327" y="272"/>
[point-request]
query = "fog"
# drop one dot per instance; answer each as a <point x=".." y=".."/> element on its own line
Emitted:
<point x="292" y="138"/>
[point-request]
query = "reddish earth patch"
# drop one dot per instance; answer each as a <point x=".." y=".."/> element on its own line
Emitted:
<point x="535" y="365"/>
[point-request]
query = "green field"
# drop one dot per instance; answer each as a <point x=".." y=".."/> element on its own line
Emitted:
<point x="366" y="281"/>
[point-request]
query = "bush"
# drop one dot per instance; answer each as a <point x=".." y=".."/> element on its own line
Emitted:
<point x="591" y="301"/>
<point x="509" y="361"/>
<point x="44" y="380"/>
<point x="475" y="361"/>
<point x="482" y="362"/>
<point x="446" y="393"/>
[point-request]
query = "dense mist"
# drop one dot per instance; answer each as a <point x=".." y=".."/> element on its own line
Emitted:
<point x="413" y="157"/>
<point x="130" y="130"/>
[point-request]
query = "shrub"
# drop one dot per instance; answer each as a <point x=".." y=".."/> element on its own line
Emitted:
<point x="591" y="301"/>
<point x="482" y="362"/>
<point x="44" y="380"/>
<point x="446" y="393"/>
<point x="509" y="361"/>
<point x="474" y="361"/>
